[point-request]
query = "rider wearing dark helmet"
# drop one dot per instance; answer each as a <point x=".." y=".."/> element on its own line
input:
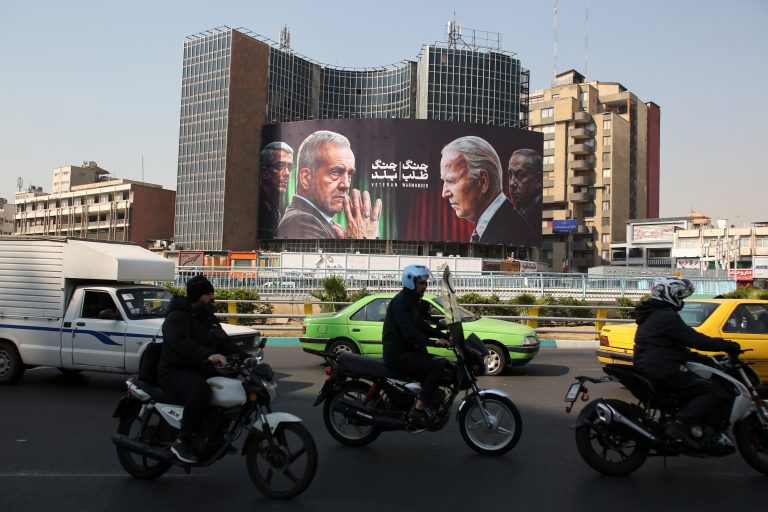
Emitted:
<point x="406" y="336"/>
<point x="662" y="346"/>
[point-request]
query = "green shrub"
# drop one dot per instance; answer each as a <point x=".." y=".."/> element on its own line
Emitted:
<point x="572" y="312"/>
<point x="476" y="298"/>
<point x="233" y="294"/>
<point x="625" y="313"/>
<point x="334" y="290"/>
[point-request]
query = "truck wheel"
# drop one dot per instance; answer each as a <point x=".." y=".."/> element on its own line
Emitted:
<point x="11" y="366"/>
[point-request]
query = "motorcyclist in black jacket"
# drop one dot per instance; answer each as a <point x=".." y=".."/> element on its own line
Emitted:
<point x="193" y="341"/>
<point x="406" y="335"/>
<point x="662" y="346"/>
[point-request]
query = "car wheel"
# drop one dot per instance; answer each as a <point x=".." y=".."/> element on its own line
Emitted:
<point x="497" y="359"/>
<point x="339" y="346"/>
<point x="11" y="365"/>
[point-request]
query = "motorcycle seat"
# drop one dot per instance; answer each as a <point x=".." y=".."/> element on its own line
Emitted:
<point x="363" y="365"/>
<point x="154" y="391"/>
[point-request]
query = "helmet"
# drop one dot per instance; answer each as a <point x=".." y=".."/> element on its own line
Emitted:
<point x="412" y="272"/>
<point x="672" y="290"/>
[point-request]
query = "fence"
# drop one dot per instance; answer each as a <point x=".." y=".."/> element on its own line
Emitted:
<point x="531" y="318"/>
<point x="298" y="283"/>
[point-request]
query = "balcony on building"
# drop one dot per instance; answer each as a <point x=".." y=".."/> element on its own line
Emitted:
<point x="586" y="164"/>
<point x="581" y="149"/>
<point x="582" y="133"/>
<point x="583" y="180"/>
<point x="582" y="197"/>
<point x="582" y="117"/>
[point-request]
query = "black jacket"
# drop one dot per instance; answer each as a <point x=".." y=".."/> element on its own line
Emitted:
<point x="508" y="227"/>
<point x="190" y="336"/>
<point x="663" y="340"/>
<point x="405" y="328"/>
<point x="301" y="220"/>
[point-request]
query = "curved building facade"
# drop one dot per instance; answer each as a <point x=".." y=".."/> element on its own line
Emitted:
<point x="235" y="82"/>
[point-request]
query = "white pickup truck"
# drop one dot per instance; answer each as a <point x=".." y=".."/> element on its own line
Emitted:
<point x="78" y="305"/>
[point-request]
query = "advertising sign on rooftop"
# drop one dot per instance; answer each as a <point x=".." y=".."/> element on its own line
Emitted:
<point x="401" y="179"/>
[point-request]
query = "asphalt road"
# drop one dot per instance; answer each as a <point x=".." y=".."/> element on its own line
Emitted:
<point x="56" y="454"/>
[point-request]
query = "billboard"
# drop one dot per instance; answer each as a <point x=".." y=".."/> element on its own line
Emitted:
<point x="401" y="179"/>
<point x="655" y="232"/>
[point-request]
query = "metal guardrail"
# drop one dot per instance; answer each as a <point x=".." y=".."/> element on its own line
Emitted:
<point x="299" y="283"/>
<point x="532" y="319"/>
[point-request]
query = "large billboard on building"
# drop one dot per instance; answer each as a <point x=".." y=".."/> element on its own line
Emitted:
<point x="401" y="179"/>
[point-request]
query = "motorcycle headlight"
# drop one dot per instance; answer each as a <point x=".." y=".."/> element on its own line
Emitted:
<point x="271" y="388"/>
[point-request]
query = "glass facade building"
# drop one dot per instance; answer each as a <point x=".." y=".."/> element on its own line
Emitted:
<point x="202" y="141"/>
<point x="234" y="82"/>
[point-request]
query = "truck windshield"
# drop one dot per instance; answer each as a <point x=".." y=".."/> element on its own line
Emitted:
<point x="144" y="302"/>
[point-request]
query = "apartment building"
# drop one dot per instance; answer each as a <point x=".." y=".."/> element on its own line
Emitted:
<point x="87" y="202"/>
<point x="601" y="167"/>
<point x="7" y="211"/>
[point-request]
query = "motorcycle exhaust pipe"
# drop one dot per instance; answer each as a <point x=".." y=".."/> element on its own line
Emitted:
<point x="367" y="417"/>
<point x="608" y="415"/>
<point x="140" y="448"/>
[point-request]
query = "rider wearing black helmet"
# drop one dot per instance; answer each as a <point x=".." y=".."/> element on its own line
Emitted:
<point x="406" y="336"/>
<point x="662" y="346"/>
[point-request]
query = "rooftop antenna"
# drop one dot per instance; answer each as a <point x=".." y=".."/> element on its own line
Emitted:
<point x="454" y="31"/>
<point x="142" y="169"/>
<point x="554" y="74"/>
<point x="19" y="184"/>
<point x="285" y="38"/>
<point x="586" y="40"/>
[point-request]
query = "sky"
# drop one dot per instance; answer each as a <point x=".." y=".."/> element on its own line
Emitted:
<point x="101" y="80"/>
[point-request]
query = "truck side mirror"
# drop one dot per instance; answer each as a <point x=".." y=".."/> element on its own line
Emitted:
<point x="109" y="314"/>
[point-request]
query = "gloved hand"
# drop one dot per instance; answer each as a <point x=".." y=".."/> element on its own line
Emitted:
<point x="732" y="348"/>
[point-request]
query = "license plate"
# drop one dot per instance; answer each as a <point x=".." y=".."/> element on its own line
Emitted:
<point x="573" y="392"/>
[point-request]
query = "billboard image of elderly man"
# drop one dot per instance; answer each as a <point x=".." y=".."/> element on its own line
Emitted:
<point x="325" y="168"/>
<point x="525" y="175"/>
<point x="275" y="170"/>
<point x="472" y="183"/>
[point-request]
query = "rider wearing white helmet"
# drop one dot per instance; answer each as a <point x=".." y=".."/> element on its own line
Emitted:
<point x="406" y="336"/>
<point x="662" y="346"/>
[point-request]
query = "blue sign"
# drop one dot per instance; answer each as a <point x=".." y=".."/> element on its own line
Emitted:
<point x="565" y="226"/>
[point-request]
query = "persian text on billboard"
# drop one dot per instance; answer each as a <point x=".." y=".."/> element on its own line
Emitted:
<point x="401" y="179"/>
<point x="654" y="232"/>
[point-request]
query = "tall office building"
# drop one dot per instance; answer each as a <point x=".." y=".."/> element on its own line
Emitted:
<point x="601" y="167"/>
<point x="234" y="82"/>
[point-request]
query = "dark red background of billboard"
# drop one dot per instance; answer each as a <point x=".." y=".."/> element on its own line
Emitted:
<point x="408" y="213"/>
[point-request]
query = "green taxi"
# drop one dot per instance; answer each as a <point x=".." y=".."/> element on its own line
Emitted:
<point x="357" y="329"/>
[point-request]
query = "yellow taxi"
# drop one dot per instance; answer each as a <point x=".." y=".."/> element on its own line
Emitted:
<point x="744" y="321"/>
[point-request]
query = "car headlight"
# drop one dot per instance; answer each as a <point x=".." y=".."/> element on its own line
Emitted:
<point x="531" y="340"/>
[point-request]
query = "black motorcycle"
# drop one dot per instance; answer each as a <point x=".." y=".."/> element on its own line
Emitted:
<point x="615" y="437"/>
<point x="281" y="455"/>
<point x="362" y="398"/>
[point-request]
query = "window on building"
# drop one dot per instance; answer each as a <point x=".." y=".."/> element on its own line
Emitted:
<point x="605" y="238"/>
<point x="547" y="112"/>
<point x="589" y="210"/>
<point x="606" y="221"/>
<point x="606" y="124"/>
<point x="582" y="95"/>
<point x="91" y="199"/>
<point x="556" y="96"/>
<point x="606" y="140"/>
<point x="548" y="160"/>
<point x="761" y="242"/>
<point x="548" y="128"/>
<point x="607" y="189"/>
<point x="606" y="206"/>
<point x="606" y="173"/>
<point x="605" y="254"/>
<point x="606" y="158"/>
<point x="549" y="144"/>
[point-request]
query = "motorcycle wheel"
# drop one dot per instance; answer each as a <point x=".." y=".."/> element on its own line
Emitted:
<point x="607" y="449"/>
<point x="156" y="431"/>
<point x="752" y="441"/>
<point x="287" y="469"/>
<point x="339" y="426"/>
<point x="504" y="433"/>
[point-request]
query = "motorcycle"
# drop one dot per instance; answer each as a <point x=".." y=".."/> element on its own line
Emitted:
<point x="362" y="398"/>
<point x="615" y="437"/>
<point x="281" y="455"/>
